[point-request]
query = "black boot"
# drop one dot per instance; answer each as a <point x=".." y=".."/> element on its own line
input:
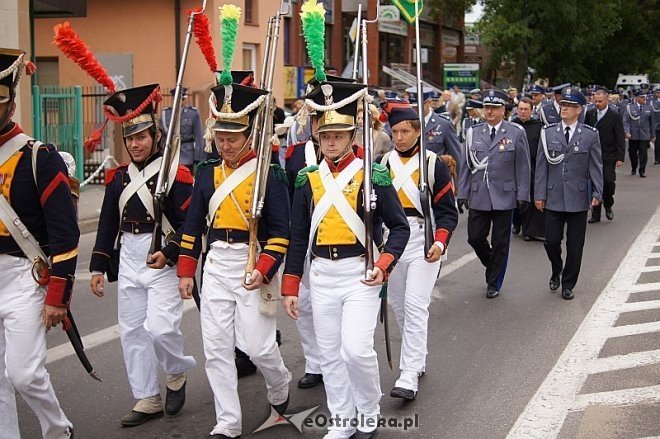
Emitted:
<point x="174" y="400"/>
<point x="310" y="380"/>
<point x="244" y="367"/>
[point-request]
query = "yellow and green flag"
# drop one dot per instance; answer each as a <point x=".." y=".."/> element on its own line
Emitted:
<point x="407" y="8"/>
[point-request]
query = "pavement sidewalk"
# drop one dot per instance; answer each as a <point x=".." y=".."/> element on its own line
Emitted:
<point x="89" y="207"/>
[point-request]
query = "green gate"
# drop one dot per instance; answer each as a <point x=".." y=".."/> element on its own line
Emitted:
<point x="58" y="119"/>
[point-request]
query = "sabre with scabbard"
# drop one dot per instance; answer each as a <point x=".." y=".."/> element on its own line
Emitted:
<point x="170" y="160"/>
<point x="368" y="191"/>
<point x="263" y="132"/>
<point x="424" y="190"/>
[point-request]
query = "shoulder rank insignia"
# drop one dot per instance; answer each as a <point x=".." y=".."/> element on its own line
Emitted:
<point x="380" y="175"/>
<point x="302" y="177"/>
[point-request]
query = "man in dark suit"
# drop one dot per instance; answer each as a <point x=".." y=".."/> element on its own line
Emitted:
<point x="609" y="124"/>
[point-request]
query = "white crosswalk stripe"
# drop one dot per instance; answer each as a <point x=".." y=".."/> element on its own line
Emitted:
<point x="560" y="394"/>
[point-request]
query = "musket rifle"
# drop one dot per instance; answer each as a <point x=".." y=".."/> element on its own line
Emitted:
<point x="170" y="160"/>
<point x="368" y="191"/>
<point x="263" y="131"/>
<point x="424" y="190"/>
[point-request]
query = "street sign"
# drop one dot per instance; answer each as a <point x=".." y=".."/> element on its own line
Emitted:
<point x="465" y="76"/>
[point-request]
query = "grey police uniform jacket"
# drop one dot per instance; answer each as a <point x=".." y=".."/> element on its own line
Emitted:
<point x="549" y="114"/>
<point x="192" y="136"/>
<point x="441" y="137"/>
<point x="640" y="124"/>
<point x="506" y="178"/>
<point x="656" y="113"/>
<point x="563" y="186"/>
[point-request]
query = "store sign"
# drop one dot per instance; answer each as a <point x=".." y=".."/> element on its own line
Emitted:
<point x="389" y="13"/>
<point x="465" y="76"/>
<point x="450" y="37"/>
<point x="470" y="49"/>
<point x="397" y="28"/>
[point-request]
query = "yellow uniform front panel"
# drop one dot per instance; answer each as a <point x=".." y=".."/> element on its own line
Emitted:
<point x="7" y="172"/>
<point x="228" y="216"/>
<point x="333" y="230"/>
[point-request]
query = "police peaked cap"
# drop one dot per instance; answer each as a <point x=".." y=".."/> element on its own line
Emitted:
<point x="535" y="88"/>
<point x="573" y="95"/>
<point x="494" y="97"/>
<point x="427" y="93"/>
<point x="124" y="102"/>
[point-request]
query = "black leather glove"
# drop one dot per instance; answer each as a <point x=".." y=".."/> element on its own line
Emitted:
<point x="463" y="203"/>
<point x="522" y="206"/>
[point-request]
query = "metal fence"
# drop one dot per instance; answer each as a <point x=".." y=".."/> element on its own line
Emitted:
<point x="66" y="116"/>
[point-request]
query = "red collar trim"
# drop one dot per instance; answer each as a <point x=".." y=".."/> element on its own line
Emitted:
<point x="16" y="129"/>
<point x="247" y="157"/>
<point x="342" y="163"/>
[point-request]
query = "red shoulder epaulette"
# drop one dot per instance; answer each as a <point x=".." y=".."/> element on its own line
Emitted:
<point x="183" y="175"/>
<point x="290" y="148"/>
<point x="110" y="173"/>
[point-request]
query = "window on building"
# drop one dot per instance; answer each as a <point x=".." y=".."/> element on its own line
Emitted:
<point x="286" y="40"/>
<point x="251" y="12"/>
<point x="250" y="57"/>
<point x="48" y="72"/>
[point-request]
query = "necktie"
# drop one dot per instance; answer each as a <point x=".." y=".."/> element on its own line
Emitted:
<point x="568" y="134"/>
<point x="492" y="134"/>
<point x="600" y="115"/>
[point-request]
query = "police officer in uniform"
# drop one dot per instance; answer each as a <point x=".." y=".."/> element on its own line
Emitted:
<point x="441" y="137"/>
<point x="327" y="227"/>
<point x="149" y="307"/>
<point x="493" y="179"/>
<point x="415" y="275"/>
<point x="474" y="108"/>
<point x="639" y="125"/>
<point x="655" y="103"/>
<point x="549" y="112"/>
<point x="230" y="307"/>
<point x="192" y="135"/>
<point x="33" y="296"/>
<point x="569" y="157"/>
<point x="537" y="94"/>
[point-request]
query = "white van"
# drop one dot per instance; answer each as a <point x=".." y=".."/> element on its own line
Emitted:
<point x="636" y="81"/>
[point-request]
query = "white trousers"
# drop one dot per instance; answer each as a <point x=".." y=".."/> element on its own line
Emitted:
<point x="409" y="291"/>
<point x="305" y="325"/>
<point x="229" y="312"/>
<point x="149" y="314"/>
<point x="23" y="353"/>
<point x="345" y="316"/>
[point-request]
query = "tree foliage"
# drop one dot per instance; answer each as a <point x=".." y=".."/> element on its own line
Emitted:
<point x="573" y="40"/>
<point x="450" y="10"/>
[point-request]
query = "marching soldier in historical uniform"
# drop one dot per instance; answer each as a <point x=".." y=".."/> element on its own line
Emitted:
<point x="38" y="252"/>
<point x="639" y="125"/>
<point x="192" y="135"/>
<point x="230" y="306"/>
<point x="413" y="278"/>
<point x="327" y="228"/>
<point x="149" y="307"/>
<point x="609" y="124"/>
<point x="441" y="136"/>
<point x="493" y="179"/>
<point x="569" y="158"/>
